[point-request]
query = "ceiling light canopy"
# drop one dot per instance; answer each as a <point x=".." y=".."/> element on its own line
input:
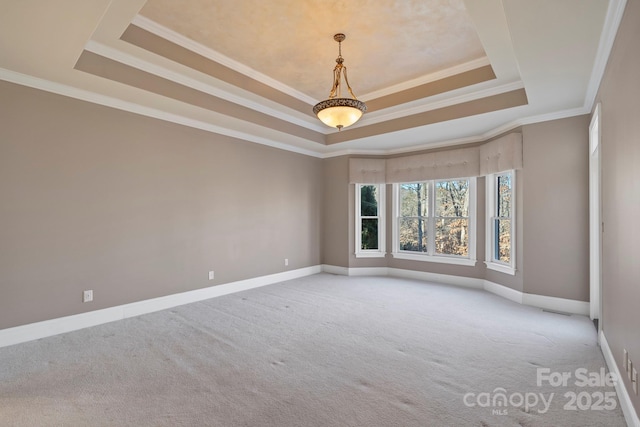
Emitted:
<point x="339" y="112"/>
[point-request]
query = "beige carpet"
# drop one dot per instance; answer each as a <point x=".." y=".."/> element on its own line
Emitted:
<point x="319" y="351"/>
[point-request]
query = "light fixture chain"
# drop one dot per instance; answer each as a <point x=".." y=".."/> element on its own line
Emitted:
<point x="336" y="111"/>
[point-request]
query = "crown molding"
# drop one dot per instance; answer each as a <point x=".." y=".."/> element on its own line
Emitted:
<point x="428" y="78"/>
<point x="563" y="114"/>
<point x="615" y="11"/>
<point x="276" y="110"/>
<point x="267" y="107"/>
<point x="402" y="110"/>
<point x="84" y="95"/>
<point x="213" y="55"/>
<point x="107" y="101"/>
<point x="497" y="130"/>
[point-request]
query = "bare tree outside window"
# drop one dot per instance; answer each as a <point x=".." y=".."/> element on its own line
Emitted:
<point x="414" y="204"/>
<point x="445" y="219"/>
<point x="502" y="220"/>
<point x="452" y="217"/>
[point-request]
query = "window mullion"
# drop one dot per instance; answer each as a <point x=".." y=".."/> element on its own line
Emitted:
<point x="431" y="227"/>
<point x="358" y="218"/>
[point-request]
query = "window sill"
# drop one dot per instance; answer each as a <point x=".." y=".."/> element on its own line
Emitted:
<point x="370" y="254"/>
<point x="438" y="259"/>
<point x="502" y="268"/>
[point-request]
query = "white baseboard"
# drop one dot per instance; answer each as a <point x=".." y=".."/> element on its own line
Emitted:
<point x="368" y="271"/>
<point x="503" y="291"/>
<point x="557" y="304"/>
<point x="626" y="405"/>
<point x="47" y="328"/>
<point x="540" y="301"/>
<point x="467" y="282"/>
<point x="33" y="331"/>
<point x="334" y="269"/>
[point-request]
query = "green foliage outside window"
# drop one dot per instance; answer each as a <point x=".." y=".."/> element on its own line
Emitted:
<point x="369" y="215"/>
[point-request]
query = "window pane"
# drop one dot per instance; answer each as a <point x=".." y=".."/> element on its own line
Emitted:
<point x="452" y="236"/>
<point x="503" y="240"/>
<point x="413" y="234"/>
<point x="368" y="200"/>
<point x="504" y="196"/>
<point x="369" y="233"/>
<point x="452" y="198"/>
<point x="414" y="199"/>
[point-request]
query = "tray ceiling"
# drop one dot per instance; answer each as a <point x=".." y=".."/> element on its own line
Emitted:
<point x="432" y="72"/>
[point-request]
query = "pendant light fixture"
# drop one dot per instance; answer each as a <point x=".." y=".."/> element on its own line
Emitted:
<point x="335" y="111"/>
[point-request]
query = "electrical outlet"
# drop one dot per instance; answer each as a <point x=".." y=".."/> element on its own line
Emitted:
<point x="625" y="359"/>
<point x="87" y="296"/>
<point x="212" y="275"/>
<point x="286" y="262"/>
<point x="634" y="381"/>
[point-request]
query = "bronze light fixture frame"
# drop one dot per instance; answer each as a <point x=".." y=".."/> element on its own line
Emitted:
<point x="336" y="111"/>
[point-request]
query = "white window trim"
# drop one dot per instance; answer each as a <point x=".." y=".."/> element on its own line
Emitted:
<point x="430" y="256"/>
<point x="491" y="194"/>
<point x="381" y="252"/>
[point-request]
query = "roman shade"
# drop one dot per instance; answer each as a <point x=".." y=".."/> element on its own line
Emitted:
<point x="367" y="171"/>
<point x="499" y="155"/>
<point x="458" y="163"/>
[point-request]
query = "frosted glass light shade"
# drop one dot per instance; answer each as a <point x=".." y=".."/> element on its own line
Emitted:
<point x="339" y="112"/>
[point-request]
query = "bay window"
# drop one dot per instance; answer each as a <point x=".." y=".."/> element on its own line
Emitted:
<point x="434" y="221"/>
<point x="500" y="242"/>
<point x="370" y="230"/>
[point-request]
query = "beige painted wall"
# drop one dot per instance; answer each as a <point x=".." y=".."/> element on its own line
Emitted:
<point x="514" y="281"/>
<point x="552" y="256"/>
<point x="556" y="208"/>
<point x="335" y="210"/>
<point x="136" y="208"/>
<point x="620" y="153"/>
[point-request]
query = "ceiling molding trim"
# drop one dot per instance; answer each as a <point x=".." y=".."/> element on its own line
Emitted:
<point x="564" y="114"/>
<point x="547" y="117"/>
<point x="400" y="112"/>
<point x="274" y="109"/>
<point x="212" y="55"/>
<point x="615" y="11"/>
<point x="107" y="101"/>
<point x="355" y="152"/>
<point x="415" y="148"/>
<point x="428" y="78"/>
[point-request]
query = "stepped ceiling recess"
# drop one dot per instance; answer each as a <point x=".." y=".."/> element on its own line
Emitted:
<point x="432" y="72"/>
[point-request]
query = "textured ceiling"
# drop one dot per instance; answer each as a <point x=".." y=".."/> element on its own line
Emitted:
<point x="433" y="72"/>
<point x="388" y="41"/>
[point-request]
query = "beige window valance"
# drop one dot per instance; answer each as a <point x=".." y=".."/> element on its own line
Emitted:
<point x="442" y="164"/>
<point x="367" y="171"/>
<point x="495" y="156"/>
<point x="501" y="154"/>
